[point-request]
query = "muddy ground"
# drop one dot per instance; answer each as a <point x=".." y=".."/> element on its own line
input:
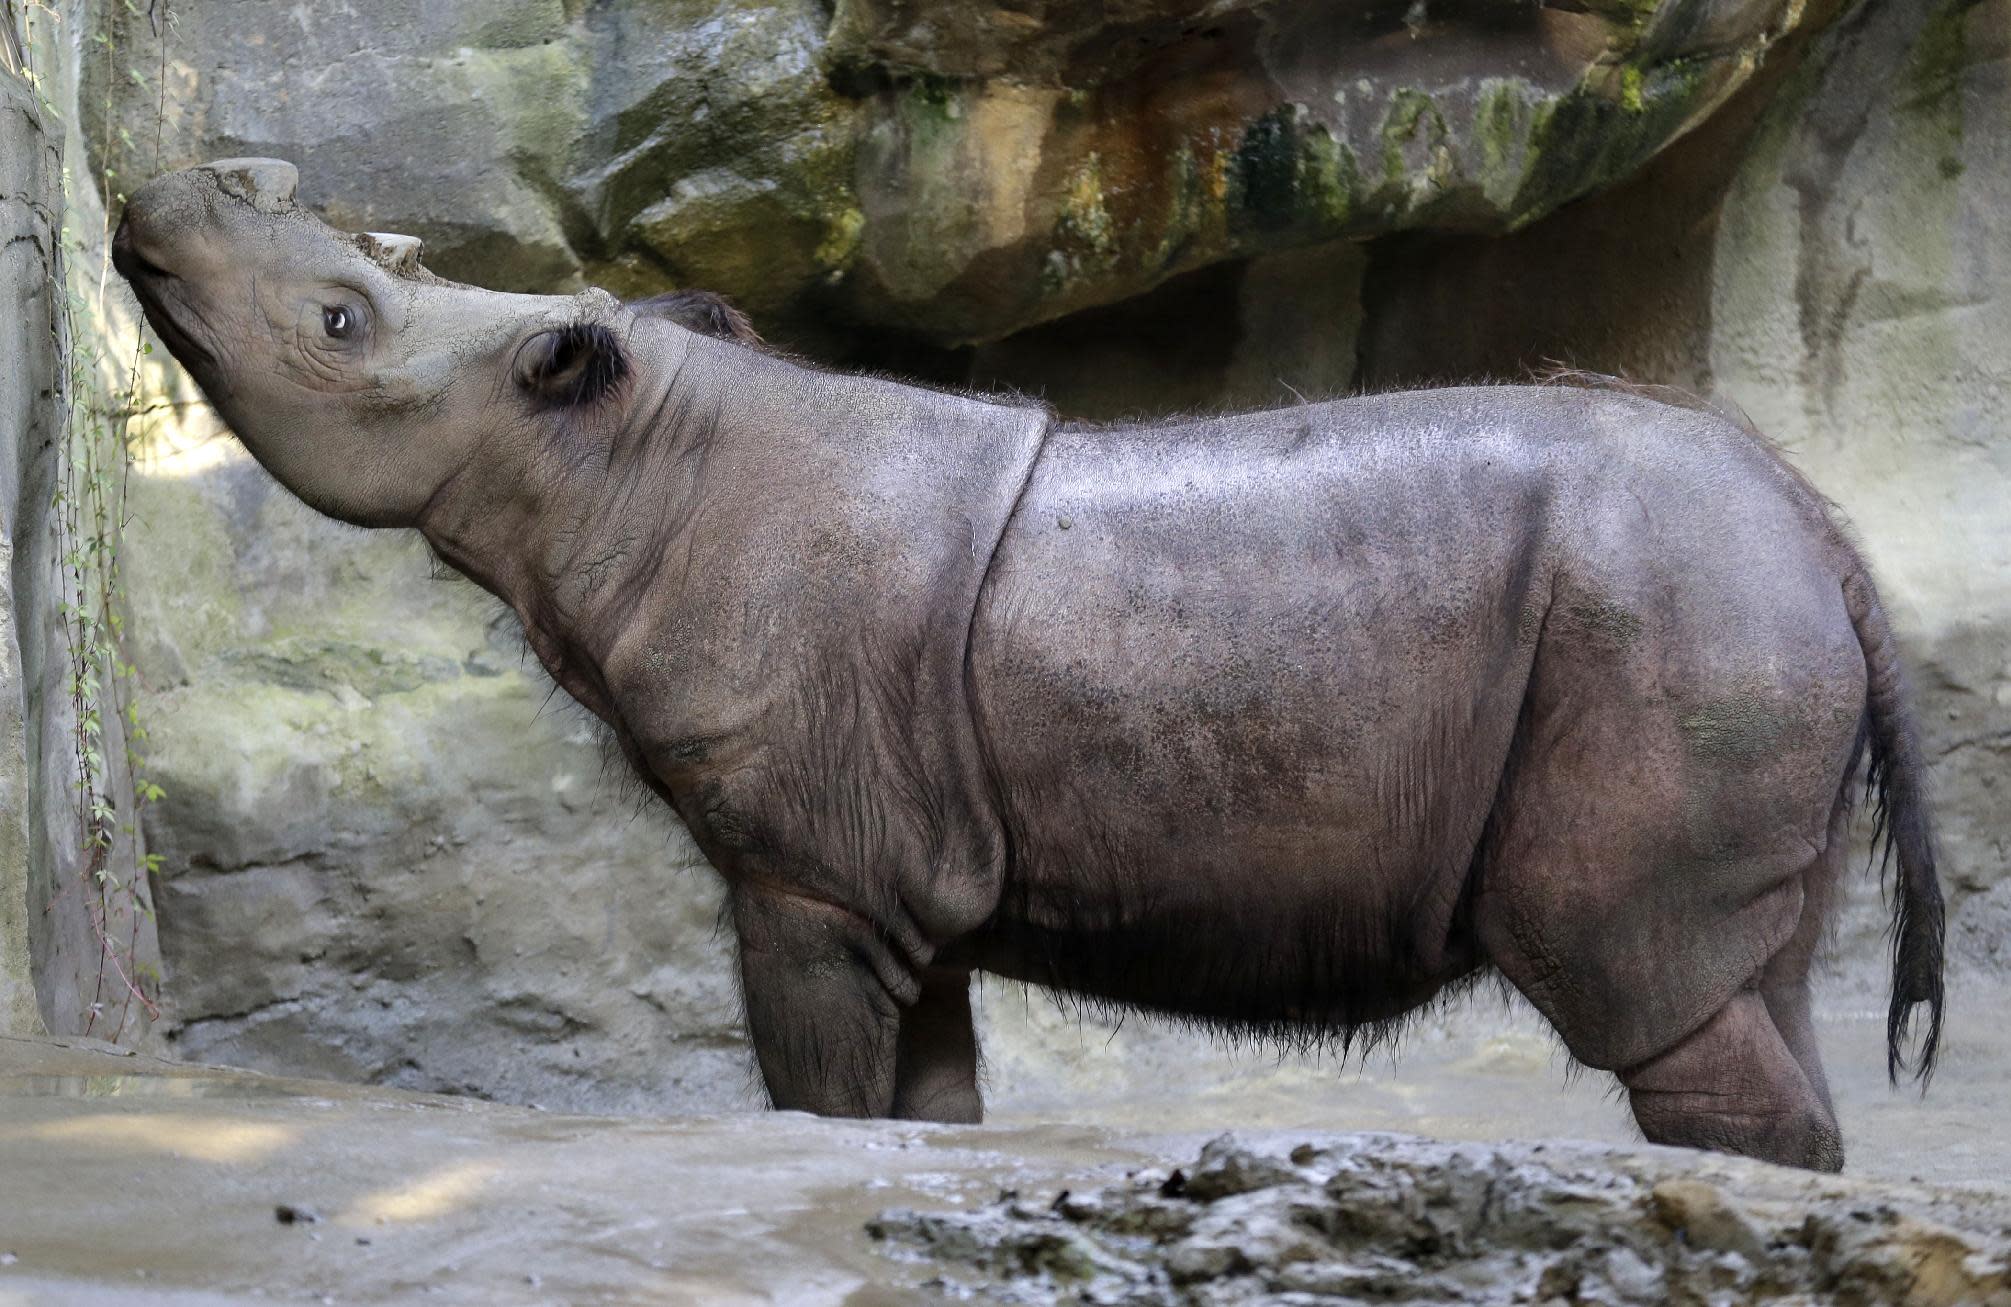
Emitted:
<point x="124" y="1179"/>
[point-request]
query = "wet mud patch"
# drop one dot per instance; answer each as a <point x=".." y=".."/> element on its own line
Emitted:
<point x="1384" y="1218"/>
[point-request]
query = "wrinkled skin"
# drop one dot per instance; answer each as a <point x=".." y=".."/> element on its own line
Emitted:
<point x="1284" y="721"/>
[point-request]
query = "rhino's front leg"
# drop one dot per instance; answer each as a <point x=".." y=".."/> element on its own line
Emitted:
<point x="937" y="1070"/>
<point x="824" y="995"/>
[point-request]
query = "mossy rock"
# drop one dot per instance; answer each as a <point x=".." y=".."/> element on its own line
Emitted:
<point x="954" y="171"/>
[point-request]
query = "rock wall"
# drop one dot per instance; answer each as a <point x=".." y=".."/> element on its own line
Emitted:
<point x="1860" y="305"/>
<point x="386" y="858"/>
<point x="27" y="408"/>
<point x="955" y="171"/>
<point x="1831" y="256"/>
<point x="389" y="856"/>
<point x="77" y="946"/>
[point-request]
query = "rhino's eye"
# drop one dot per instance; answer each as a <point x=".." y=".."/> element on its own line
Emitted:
<point x="339" y="321"/>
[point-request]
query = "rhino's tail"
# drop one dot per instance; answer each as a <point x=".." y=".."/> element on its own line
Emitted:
<point x="1896" y="781"/>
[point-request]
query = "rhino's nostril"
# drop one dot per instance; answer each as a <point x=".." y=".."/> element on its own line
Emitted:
<point x="126" y="256"/>
<point x="263" y="183"/>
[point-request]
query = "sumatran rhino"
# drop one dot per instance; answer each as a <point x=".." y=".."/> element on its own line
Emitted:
<point x="1282" y="722"/>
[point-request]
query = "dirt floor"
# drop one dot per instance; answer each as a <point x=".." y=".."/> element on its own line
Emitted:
<point x="124" y="1179"/>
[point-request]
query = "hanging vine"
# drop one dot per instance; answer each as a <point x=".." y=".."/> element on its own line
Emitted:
<point x="102" y="387"/>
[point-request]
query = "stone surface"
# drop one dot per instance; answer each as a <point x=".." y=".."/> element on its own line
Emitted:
<point x="78" y="923"/>
<point x="1863" y="272"/>
<point x="387" y="857"/>
<point x="1830" y="256"/>
<point x="1294" y="317"/>
<point x="27" y="246"/>
<point x="1189" y="134"/>
<point x="952" y="171"/>
<point x="89" y="916"/>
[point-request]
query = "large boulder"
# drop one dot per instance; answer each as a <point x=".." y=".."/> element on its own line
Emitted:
<point x="956" y="171"/>
<point x="1022" y="162"/>
<point x="387" y="855"/>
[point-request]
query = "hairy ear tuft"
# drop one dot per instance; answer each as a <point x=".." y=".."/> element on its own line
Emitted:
<point x="571" y="366"/>
<point x="700" y="311"/>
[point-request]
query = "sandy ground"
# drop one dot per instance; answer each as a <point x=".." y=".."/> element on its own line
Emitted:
<point x="127" y="1180"/>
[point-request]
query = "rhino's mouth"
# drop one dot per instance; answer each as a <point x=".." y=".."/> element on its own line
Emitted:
<point x="151" y="283"/>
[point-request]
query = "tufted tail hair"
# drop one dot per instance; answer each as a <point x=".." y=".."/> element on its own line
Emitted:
<point x="1896" y="781"/>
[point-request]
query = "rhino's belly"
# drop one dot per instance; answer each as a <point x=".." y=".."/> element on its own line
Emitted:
<point x="1253" y="875"/>
<point x="1246" y="728"/>
<point x="1284" y="949"/>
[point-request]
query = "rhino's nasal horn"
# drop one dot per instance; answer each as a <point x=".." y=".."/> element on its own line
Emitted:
<point x="266" y="184"/>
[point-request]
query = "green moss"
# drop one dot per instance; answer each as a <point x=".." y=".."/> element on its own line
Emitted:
<point x="1933" y="74"/>
<point x="841" y="240"/>
<point x="1413" y="118"/>
<point x="1189" y="209"/>
<point x="1085" y="234"/>
<point x="927" y="97"/>
<point x="1505" y="115"/>
<point x="1085" y="222"/>
<point x="1289" y="172"/>
<point x="1630" y="90"/>
<point x="1266" y="168"/>
<point x="1591" y="137"/>
<point x="1329" y="180"/>
<point x="328" y="665"/>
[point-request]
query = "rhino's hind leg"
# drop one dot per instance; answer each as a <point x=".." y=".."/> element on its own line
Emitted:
<point x="1784" y="984"/>
<point x="1751" y="1080"/>
<point x="1620" y="964"/>
<point x="1735" y="1086"/>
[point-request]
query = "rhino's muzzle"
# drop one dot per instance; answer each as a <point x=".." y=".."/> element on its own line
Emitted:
<point x="171" y="211"/>
<point x="126" y="257"/>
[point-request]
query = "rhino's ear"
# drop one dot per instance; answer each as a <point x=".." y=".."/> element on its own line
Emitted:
<point x="571" y="366"/>
<point x="700" y="311"/>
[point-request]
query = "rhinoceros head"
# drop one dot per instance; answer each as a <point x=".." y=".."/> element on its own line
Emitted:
<point x="360" y="380"/>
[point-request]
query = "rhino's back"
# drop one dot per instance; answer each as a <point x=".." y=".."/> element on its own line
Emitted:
<point x="1248" y="684"/>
